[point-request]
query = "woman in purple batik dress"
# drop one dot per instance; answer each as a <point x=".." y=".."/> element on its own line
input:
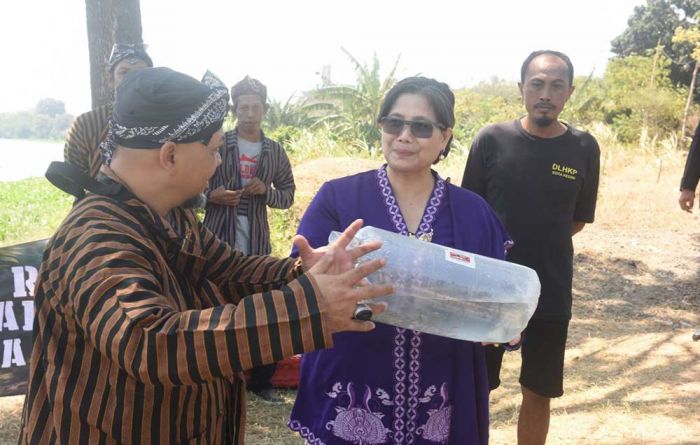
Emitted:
<point x="392" y="385"/>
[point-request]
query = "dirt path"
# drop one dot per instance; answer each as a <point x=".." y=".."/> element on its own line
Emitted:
<point x="632" y="369"/>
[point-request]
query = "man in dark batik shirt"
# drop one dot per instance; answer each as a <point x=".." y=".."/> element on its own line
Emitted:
<point x="145" y="320"/>
<point x="84" y="137"/>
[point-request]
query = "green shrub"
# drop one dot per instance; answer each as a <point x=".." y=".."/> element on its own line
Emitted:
<point x="31" y="209"/>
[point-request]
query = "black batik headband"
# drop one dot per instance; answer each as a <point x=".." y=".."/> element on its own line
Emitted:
<point x="155" y="105"/>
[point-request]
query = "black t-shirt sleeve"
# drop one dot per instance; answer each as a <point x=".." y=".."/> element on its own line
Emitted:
<point x="691" y="174"/>
<point x="586" y="202"/>
<point x="474" y="177"/>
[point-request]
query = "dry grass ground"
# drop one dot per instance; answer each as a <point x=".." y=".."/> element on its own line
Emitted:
<point x="632" y="370"/>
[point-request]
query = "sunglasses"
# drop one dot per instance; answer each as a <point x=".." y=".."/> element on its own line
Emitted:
<point x="420" y="129"/>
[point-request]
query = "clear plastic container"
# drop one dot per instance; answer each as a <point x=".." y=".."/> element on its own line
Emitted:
<point x="449" y="292"/>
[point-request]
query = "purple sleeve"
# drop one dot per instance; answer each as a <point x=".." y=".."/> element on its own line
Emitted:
<point x="320" y="218"/>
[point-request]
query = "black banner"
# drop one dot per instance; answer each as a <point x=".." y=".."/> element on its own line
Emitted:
<point x="18" y="272"/>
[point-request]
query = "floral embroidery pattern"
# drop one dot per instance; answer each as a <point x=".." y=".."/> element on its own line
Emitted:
<point x="358" y="424"/>
<point x="437" y="428"/>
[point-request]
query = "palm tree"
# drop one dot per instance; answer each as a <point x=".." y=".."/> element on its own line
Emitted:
<point x="354" y="108"/>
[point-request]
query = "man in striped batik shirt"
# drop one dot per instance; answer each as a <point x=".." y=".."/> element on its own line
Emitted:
<point x="254" y="173"/>
<point x="145" y="320"/>
<point x="84" y="137"/>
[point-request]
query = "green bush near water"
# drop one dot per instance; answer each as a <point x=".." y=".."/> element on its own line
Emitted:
<point x="31" y="209"/>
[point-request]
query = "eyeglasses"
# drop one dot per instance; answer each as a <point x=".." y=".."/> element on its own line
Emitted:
<point x="419" y="129"/>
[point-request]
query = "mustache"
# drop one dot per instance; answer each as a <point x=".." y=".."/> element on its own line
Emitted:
<point x="544" y="106"/>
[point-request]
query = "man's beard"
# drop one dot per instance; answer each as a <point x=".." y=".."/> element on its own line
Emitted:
<point x="543" y="121"/>
<point x="198" y="201"/>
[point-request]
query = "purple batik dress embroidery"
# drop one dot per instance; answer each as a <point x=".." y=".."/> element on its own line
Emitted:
<point x="396" y="386"/>
<point x="405" y="413"/>
<point x="357" y="423"/>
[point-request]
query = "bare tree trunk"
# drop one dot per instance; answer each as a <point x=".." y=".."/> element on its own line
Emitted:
<point x="108" y="21"/>
<point x="127" y="17"/>
<point x="100" y="41"/>
<point x="687" y="103"/>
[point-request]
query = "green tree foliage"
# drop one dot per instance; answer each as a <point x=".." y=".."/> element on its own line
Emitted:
<point x="47" y="121"/>
<point x="284" y="121"/>
<point x="292" y="113"/>
<point x="355" y="107"/>
<point x="585" y="104"/>
<point x="655" y="23"/>
<point x="691" y="36"/>
<point x="483" y="104"/>
<point x="640" y="98"/>
<point x="636" y="100"/>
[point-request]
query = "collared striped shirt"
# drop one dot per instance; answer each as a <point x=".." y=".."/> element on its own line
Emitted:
<point x="82" y="147"/>
<point x="141" y="334"/>
<point x="274" y="170"/>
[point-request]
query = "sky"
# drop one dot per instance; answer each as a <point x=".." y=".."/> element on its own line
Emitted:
<point x="286" y="44"/>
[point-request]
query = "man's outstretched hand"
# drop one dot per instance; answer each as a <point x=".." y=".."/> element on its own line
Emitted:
<point x="343" y="285"/>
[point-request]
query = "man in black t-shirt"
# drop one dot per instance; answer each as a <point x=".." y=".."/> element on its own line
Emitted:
<point x="691" y="174"/>
<point x="541" y="177"/>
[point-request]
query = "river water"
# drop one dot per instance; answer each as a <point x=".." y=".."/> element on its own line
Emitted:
<point x="26" y="158"/>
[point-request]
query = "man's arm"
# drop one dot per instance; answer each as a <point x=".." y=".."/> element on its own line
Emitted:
<point x="584" y="212"/>
<point x="75" y="150"/>
<point x="281" y="195"/>
<point x="116" y="298"/>
<point x="691" y="174"/>
<point x="238" y="275"/>
<point x="114" y="293"/>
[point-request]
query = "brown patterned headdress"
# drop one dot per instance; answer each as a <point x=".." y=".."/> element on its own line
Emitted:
<point x="248" y="86"/>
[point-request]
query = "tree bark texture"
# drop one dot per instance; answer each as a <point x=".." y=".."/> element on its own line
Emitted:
<point x="109" y="22"/>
